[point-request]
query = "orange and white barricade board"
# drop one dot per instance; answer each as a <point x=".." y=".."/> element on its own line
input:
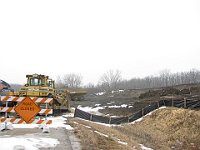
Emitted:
<point x="26" y="108"/>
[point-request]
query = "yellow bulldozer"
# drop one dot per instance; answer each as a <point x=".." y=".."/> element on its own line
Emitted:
<point x="42" y="86"/>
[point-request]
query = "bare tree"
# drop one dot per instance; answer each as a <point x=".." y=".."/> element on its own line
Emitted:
<point x="164" y="79"/>
<point x="110" y="79"/>
<point x="193" y="76"/>
<point x="72" y="80"/>
<point x="164" y="76"/>
<point x="59" y="83"/>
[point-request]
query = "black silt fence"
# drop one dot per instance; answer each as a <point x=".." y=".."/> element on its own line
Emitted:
<point x="135" y="116"/>
<point x="193" y="104"/>
<point x="81" y="114"/>
<point x="178" y="103"/>
<point x="118" y="120"/>
<point x="100" y="119"/>
<point x="161" y="103"/>
<point x="150" y="108"/>
<point x="168" y="102"/>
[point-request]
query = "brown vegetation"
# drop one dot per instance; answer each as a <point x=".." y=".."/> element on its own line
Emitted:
<point x="169" y="128"/>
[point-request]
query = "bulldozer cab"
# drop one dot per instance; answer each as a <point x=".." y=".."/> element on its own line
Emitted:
<point x="38" y="85"/>
<point x="36" y="80"/>
<point x="51" y="83"/>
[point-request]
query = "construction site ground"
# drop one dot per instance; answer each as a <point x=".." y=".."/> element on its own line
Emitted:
<point x="168" y="128"/>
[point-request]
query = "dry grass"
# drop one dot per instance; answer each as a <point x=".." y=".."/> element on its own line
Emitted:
<point x="91" y="140"/>
<point x="169" y="128"/>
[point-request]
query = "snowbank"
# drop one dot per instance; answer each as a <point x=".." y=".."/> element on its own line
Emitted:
<point x="56" y="123"/>
<point x="91" y="109"/>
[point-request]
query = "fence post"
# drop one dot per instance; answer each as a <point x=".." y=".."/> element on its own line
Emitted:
<point x="158" y="104"/>
<point x="142" y="111"/>
<point x="172" y="102"/>
<point x="185" y="103"/>
<point x="91" y="117"/>
<point x="164" y="102"/>
<point x="6" y="116"/>
<point x="109" y="119"/>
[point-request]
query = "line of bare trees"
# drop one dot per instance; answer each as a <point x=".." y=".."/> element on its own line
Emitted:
<point x="112" y="80"/>
<point x="164" y="79"/>
<point x="70" y="80"/>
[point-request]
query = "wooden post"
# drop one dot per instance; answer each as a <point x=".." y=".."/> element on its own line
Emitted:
<point x="185" y="103"/>
<point x="158" y="104"/>
<point x="109" y="119"/>
<point x="142" y="111"/>
<point x="164" y="103"/>
<point x="91" y="117"/>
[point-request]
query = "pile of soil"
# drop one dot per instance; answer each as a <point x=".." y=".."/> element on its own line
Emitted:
<point x="171" y="128"/>
<point x="168" y="128"/>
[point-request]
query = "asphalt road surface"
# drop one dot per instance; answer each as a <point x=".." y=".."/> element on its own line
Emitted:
<point x="67" y="139"/>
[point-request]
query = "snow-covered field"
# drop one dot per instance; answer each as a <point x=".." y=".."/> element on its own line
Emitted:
<point x="31" y="141"/>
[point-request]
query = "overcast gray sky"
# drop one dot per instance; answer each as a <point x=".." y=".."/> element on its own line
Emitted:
<point x="89" y="37"/>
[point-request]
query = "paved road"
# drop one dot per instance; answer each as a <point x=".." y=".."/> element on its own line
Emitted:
<point x="66" y="137"/>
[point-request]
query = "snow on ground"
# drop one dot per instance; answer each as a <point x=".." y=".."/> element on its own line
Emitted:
<point x="91" y="109"/>
<point x="82" y="125"/>
<point x="101" y="133"/>
<point x="117" y="91"/>
<point x="97" y="105"/>
<point x="100" y="93"/>
<point x="123" y="143"/>
<point x="95" y="110"/>
<point x="68" y="115"/>
<point x="103" y="124"/>
<point x="140" y="119"/>
<point x="111" y="103"/>
<point x="115" y="106"/>
<point x="56" y="122"/>
<point x="26" y="143"/>
<point x="59" y="122"/>
<point x="31" y="141"/>
<point x="144" y="148"/>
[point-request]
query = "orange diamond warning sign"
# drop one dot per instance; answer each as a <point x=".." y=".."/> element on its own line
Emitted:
<point x="27" y="109"/>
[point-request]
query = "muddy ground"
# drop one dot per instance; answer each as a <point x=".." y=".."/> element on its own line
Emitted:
<point x="136" y="99"/>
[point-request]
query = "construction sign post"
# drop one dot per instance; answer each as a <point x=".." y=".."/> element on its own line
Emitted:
<point x="27" y="109"/>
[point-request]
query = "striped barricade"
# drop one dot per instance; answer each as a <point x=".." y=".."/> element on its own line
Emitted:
<point x="21" y="121"/>
<point x="23" y="101"/>
<point x="19" y="99"/>
<point x="11" y="109"/>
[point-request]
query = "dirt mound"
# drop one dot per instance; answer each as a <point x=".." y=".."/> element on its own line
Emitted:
<point x="169" y="128"/>
<point x="183" y="90"/>
<point x="164" y="92"/>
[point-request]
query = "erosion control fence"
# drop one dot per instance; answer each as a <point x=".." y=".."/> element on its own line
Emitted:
<point x="185" y="103"/>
